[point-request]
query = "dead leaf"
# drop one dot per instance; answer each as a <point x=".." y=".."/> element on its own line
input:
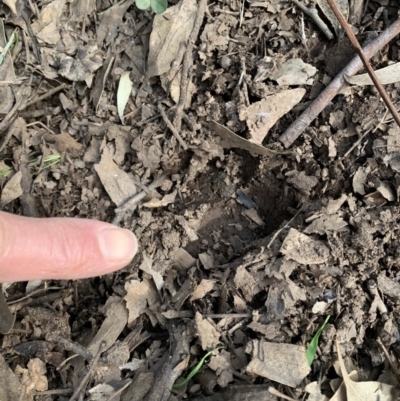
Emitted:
<point x="303" y="249"/>
<point x="343" y="6"/>
<point x="294" y="72"/>
<point x="147" y="266"/>
<point x="12" y="190"/>
<point x="389" y="287"/>
<point x="165" y="201"/>
<point x="364" y="391"/>
<point x="221" y="365"/>
<point x="123" y="94"/>
<point x="314" y="392"/>
<point x="46" y="26"/>
<point x="118" y="184"/>
<point x="231" y="140"/>
<point x="359" y="179"/>
<point x="64" y="142"/>
<point x="138" y="295"/>
<point x="10" y="386"/>
<point x="246" y="282"/>
<point x="112" y="326"/>
<point x="209" y="335"/>
<point x="387" y="75"/>
<point x="81" y="67"/>
<point x="12" y="5"/>
<point x="261" y="116"/>
<point x="170" y="29"/>
<point x="110" y="20"/>
<point x="284" y="363"/>
<point x="202" y="289"/>
<point x="324" y="224"/>
<point x="304" y="183"/>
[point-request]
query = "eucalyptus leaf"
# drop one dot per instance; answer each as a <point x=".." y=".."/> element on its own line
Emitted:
<point x="159" y="6"/>
<point x="124" y="91"/>
<point x="143" y="4"/>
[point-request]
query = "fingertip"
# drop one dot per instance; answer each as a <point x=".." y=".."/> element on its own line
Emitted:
<point x="117" y="245"/>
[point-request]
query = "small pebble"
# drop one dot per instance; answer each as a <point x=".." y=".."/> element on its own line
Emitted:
<point x="225" y="62"/>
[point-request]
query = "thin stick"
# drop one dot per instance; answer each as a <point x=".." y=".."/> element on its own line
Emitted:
<point x="365" y="61"/>
<point x="138" y="197"/>
<point x="85" y="379"/>
<point x="48" y="94"/>
<point x="326" y="96"/>
<point x="313" y="14"/>
<point x="171" y="127"/>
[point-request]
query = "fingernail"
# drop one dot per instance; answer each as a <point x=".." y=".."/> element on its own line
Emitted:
<point x="118" y="245"/>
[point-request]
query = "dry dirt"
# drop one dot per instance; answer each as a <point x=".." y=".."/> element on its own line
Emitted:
<point x="246" y="247"/>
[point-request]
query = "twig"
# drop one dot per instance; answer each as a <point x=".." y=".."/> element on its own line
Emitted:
<point x="171" y="127"/>
<point x="138" y="197"/>
<point x="313" y="14"/>
<point x="85" y="379"/>
<point x="228" y="315"/>
<point x="74" y="347"/>
<point x="326" y="96"/>
<point x="365" y="61"/>
<point x="187" y="63"/>
<point x="394" y="366"/>
<point x="48" y="94"/>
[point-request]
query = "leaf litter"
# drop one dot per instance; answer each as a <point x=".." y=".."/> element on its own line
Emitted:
<point x="322" y="224"/>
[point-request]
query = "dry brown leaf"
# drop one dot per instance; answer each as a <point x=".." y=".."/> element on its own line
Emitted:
<point x="202" y="289"/>
<point x="359" y="179"/>
<point x="139" y="295"/>
<point x="364" y="391"/>
<point x="209" y="335"/>
<point x="110" y="21"/>
<point x="12" y="5"/>
<point x="284" y="363"/>
<point x="303" y="249"/>
<point x="112" y="326"/>
<point x="387" y="75"/>
<point x="294" y="72"/>
<point x="165" y="201"/>
<point x="388" y="286"/>
<point x="314" y="392"/>
<point x="183" y="364"/>
<point x="64" y="142"/>
<point x="118" y="184"/>
<point x="261" y="116"/>
<point x="147" y="266"/>
<point x="231" y="140"/>
<point x="12" y="190"/>
<point x="343" y="5"/>
<point x="46" y="26"/>
<point x="10" y="386"/>
<point x="170" y="29"/>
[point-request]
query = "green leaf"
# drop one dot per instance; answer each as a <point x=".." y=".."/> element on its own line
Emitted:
<point x="312" y="348"/>
<point x="143" y="4"/>
<point x="159" y="6"/>
<point x="195" y="369"/>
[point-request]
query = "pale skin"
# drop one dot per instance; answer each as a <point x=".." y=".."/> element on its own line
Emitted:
<point x="61" y="248"/>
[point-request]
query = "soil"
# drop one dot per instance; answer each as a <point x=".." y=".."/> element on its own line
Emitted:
<point x="245" y="247"/>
